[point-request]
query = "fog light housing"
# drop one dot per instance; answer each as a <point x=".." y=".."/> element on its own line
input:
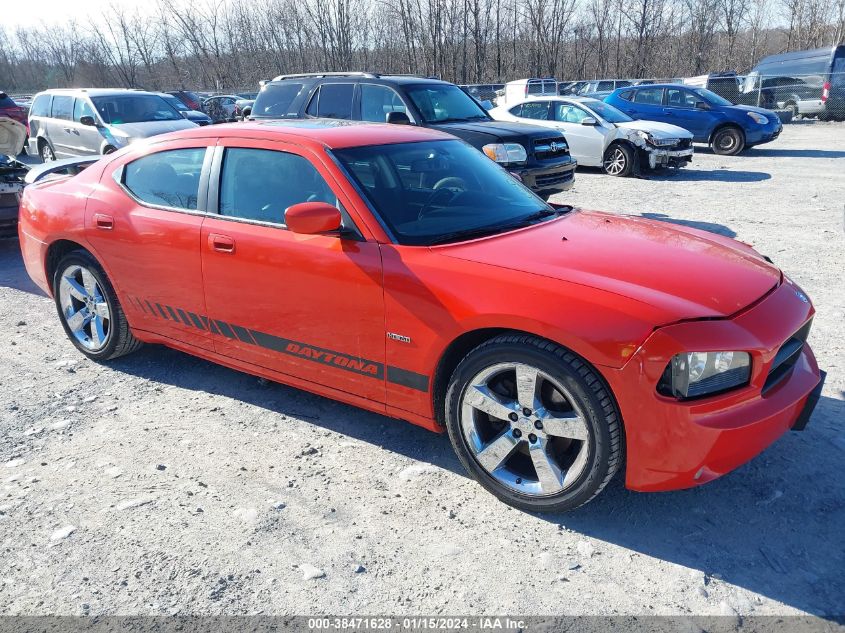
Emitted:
<point x="699" y="374"/>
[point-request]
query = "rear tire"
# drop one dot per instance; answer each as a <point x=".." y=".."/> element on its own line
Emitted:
<point x="45" y="151"/>
<point x="533" y="423"/>
<point x="728" y="141"/>
<point x="88" y="308"/>
<point x="619" y="160"/>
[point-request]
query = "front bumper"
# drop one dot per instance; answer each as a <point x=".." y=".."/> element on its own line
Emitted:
<point x="668" y="157"/>
<point x="547" y="181"/>
<point x="673" y="444"/>
<point x="764" y="134"/>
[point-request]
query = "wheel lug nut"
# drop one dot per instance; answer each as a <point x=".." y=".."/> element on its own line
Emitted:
<point x="538" y="425"/>
<point x="532" y="438"/>
<point x="526" y="412"/>
<point x="514" y="417"/>
<point x="517" y="433"/>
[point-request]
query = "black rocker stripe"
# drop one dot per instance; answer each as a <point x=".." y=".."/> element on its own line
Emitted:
<point x="337" y="360"/>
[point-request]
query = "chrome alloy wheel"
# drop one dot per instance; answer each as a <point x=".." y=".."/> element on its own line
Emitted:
<point x="615" y="163"/>
<point x="84" y="307"/>
<point x="524" y="428"/>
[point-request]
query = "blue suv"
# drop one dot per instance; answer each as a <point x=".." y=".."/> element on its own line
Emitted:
<point x="726" y="127"/>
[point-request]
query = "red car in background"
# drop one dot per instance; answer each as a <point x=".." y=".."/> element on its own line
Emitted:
<point x="400" y="270"/>
<point x="12" y="110"/>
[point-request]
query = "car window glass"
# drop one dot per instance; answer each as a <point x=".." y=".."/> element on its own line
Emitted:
<point x="627" y="95"/>
<point x="649" y="96"/>
<point x="311" y="110"/>
<point x="837" y="76"/>
<point x="377" y="101"/>
<point x="134" y="108"/>
<point x="41" y="106"/>
<point x="169" y="178"/>
<point x="260" y="184"/>
<point x="335" y="101"/>
<point x="569" y="113"/>
<point x="516" y="110"/>
<point x="275" y="99"/>
<point x="62" y="107"/>
<point x="538" y="110"/>
<point x="678" y="98"/>
<point x="81" y="108"/>
<point x="605" y="85"/>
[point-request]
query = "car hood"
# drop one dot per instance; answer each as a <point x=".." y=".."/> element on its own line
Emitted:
<point x="152" y="128"/>
<point x="684" y="272"/>
<point x="502" y="131"/>
<point x="12" y="136"/>
<point x="657" y="129"/>
<point x="747" y="108"/>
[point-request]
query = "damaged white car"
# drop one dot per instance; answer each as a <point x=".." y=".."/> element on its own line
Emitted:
<point x="600" y="135"/>
<point x="12" y="173"/>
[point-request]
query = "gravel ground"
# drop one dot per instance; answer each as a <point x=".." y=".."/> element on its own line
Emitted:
<point x="162" y="484"/>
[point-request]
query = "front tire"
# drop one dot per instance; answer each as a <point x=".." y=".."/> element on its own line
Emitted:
<point x="728" y="141"/>
<point x="88" y="308"/>
<point x="619" y="160"/>
<point x="533" y="423"/>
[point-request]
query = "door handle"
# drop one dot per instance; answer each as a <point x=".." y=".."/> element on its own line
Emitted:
<point x="103" y="221"/>
<point x="221" y="243"/>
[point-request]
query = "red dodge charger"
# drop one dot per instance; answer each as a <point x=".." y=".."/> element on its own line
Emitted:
<point x="400" y="270"/>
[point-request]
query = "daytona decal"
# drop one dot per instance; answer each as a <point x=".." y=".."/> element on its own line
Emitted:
<point x="338" y="360"/>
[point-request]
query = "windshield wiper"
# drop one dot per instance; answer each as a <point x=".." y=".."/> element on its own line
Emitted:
<point x="498" y="228"/>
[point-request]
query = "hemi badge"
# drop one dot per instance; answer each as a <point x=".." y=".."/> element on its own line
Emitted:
<point x="399" y="337"/>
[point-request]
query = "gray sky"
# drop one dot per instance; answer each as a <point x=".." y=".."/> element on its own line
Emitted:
<point x="46" y="12"/>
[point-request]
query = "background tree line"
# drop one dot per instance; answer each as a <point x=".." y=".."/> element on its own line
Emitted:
<point x="211" y="44"/>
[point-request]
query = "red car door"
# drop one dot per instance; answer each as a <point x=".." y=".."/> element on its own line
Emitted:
<point x="144" y="223"/>
<point x="309" y="306"/>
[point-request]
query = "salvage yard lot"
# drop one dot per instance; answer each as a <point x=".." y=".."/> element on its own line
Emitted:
<point x="163" y="484"/>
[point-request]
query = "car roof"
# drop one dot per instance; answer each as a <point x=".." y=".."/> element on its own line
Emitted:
<point x="329" y="133"/>
<point x="98" y="92"/>
<point x="359" y="77"/>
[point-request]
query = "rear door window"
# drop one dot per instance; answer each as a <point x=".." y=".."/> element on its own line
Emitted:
<point x="62" y="107"/>
<point x="166" y="179"/>
<point x="649" y="96"/>
<point x="678" y="98"/>
<point x="276" y="99"/>
<point x="334" y="101"/>
<point x="538" y="110"/>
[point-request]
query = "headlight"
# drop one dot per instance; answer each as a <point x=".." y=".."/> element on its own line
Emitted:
<point x="759" y="118"/>
<point x="648" y="137"/>
<point x="506" y="152"/>
<point x="697" y="374"/>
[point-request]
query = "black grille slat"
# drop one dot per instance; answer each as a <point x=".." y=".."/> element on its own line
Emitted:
<point x="543" y="148"/>
<point x="786" y="357"/>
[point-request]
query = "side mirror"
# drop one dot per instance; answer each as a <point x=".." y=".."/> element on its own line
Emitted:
<point x="311" y="218"/>
<point x="88" y="120"/>
<point x="701" y="105"/>
<point x="588" y="120"/>
<point x="399" y="118"/>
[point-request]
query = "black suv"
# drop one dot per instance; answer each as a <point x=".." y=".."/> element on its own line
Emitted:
<point x="538" y="156"/>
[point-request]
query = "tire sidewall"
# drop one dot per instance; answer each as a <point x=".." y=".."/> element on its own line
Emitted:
<point x="629" y="159"/>
<point x="738" y="137"/>
<point x="594" y="474"/>
<point x="81" y="258"/>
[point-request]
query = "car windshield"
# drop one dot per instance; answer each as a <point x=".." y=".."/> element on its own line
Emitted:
<point x="176" y="103"/>
<point x="134" y="109"/>
<point x="445" y="103"/>
<point x="711" y="97"/>
<point x="435" y="192"/>
<point x="607" y="111"/>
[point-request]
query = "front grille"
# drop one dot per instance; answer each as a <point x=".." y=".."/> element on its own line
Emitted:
<point x="787" y="356"/>
<point x="553" y="179"/>
<point x="684" y="143"/>
<point x="546" y="148"/>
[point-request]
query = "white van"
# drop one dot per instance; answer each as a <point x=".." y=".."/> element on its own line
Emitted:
<point x="521" y="89"/>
